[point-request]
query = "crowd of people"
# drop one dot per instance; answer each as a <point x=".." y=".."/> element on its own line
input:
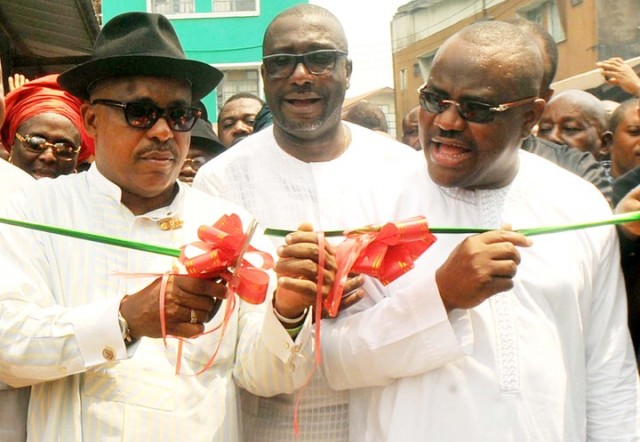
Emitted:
<point x="493" y="335"/>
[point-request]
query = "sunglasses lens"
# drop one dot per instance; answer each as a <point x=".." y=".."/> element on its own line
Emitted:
<point x="35" y="144"/>
<point x="432" y="102"/>
<point x="141" y="115"/>
<point x="476" y="112"/>
<point x="182" y="119"/>
<point x="64" y="150"/>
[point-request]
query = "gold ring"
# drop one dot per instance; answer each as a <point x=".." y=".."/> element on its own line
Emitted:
<point x="194" y="317"/>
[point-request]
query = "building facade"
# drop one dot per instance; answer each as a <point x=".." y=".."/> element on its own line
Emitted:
<point x="586" y="31"/>
<point x="224" y="33"/>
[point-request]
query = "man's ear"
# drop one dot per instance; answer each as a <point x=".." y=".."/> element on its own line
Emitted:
<point x="88" y="118"/>
<point x="349" y="68"/>
<point x="606" y="139"/>
<point x="532" y="115"/>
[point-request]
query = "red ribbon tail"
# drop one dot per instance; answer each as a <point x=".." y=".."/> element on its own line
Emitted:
<point x="161" y="302"/>
<point x="346" y="254"/>
<point x="319" y="297"/>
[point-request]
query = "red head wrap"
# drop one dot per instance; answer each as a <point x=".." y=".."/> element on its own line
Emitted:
<point x="38" y="96"/>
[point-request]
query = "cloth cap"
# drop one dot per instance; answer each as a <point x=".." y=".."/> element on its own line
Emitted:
<point x="139" y="43"/>
<point x="39" y="96"/>
<point x="203" y="133"/>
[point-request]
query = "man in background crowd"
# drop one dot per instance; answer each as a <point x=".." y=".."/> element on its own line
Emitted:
<point x="579" y="120"/>
<point x="237" y="117"/>
<point x="410" y="129"/>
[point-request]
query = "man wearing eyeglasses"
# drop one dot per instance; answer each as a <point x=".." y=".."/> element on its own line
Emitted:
<point x="494" y="336"/>
<point x="308" y="166"/>
<point x="83" y="323"/>
<point x="43" y="129"/>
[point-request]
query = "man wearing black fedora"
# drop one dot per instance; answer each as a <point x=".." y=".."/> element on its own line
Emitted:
<point x="82" y="322"/>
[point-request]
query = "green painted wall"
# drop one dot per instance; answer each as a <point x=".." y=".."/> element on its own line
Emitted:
<point x="214" y="40"/>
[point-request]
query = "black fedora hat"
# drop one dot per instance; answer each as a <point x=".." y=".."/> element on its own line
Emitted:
<point x="203" y="135"/>
<point x="139" y="43"/>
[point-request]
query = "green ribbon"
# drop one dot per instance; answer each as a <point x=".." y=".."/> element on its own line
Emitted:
<point x="615" y="219"/>
<point x="159" y="250"/>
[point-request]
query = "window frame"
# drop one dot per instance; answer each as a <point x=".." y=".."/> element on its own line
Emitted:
<point x="189" y="15"/>
<point x="245" y="66"/>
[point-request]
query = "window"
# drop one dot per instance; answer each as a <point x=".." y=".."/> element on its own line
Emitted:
<point x="546" y="14"/>
<point x="233" y="5"/>
<point x="206" y="8"/>
<point x="391" y="121"/>
<point x="238" y="80"/>
<point x="171" y="7"/>
<point x="425" y="63"/>
<point x="403" y="79"/>
<point x="416" y="70"/>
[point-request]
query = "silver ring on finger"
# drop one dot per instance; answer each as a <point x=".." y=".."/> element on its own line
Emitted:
<point x="194" y="317"/>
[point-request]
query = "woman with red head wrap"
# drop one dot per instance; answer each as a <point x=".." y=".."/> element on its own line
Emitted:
<point x="43" y="129"/>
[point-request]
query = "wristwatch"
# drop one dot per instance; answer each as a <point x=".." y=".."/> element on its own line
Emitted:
<point x="124" y="328"/>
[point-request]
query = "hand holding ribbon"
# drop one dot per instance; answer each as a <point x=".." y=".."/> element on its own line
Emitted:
<point x="306" y="267"/>
<point x="385" y="252"/>
<point x="220" y="254"/>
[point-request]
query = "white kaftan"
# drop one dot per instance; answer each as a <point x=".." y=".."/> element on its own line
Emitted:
<point x="355" y="189"/>
<point x="59" y="330"/>
<point x="13" y="401"/>
<point x="549" y="360"/>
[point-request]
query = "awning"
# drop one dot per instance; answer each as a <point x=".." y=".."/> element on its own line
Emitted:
<point x="45" y="36"/>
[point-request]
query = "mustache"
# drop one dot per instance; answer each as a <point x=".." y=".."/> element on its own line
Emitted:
<point x="159" y="147"/>
<point x="451" y="134"/>
<point x="301" y="88"/>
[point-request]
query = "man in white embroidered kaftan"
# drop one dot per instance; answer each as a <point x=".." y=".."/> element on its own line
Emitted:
<point x="81" y="322"/>
<point x="493" y="336"/>
<point x="308" y="166"/>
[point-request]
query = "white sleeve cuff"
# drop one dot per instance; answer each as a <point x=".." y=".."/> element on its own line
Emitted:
<point x="98" y="332"/>
<point x="298" y="353"/>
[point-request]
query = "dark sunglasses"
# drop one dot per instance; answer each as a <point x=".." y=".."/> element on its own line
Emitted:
<point x="145" y="115"/>
<point x="317" y="62"/>
<point x="63" y="150"/>
<point x="473" y="111"/>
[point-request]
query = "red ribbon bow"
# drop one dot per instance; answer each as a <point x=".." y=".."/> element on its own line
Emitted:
<point x="385" y="253"/>
<point x="221" y="246"/>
